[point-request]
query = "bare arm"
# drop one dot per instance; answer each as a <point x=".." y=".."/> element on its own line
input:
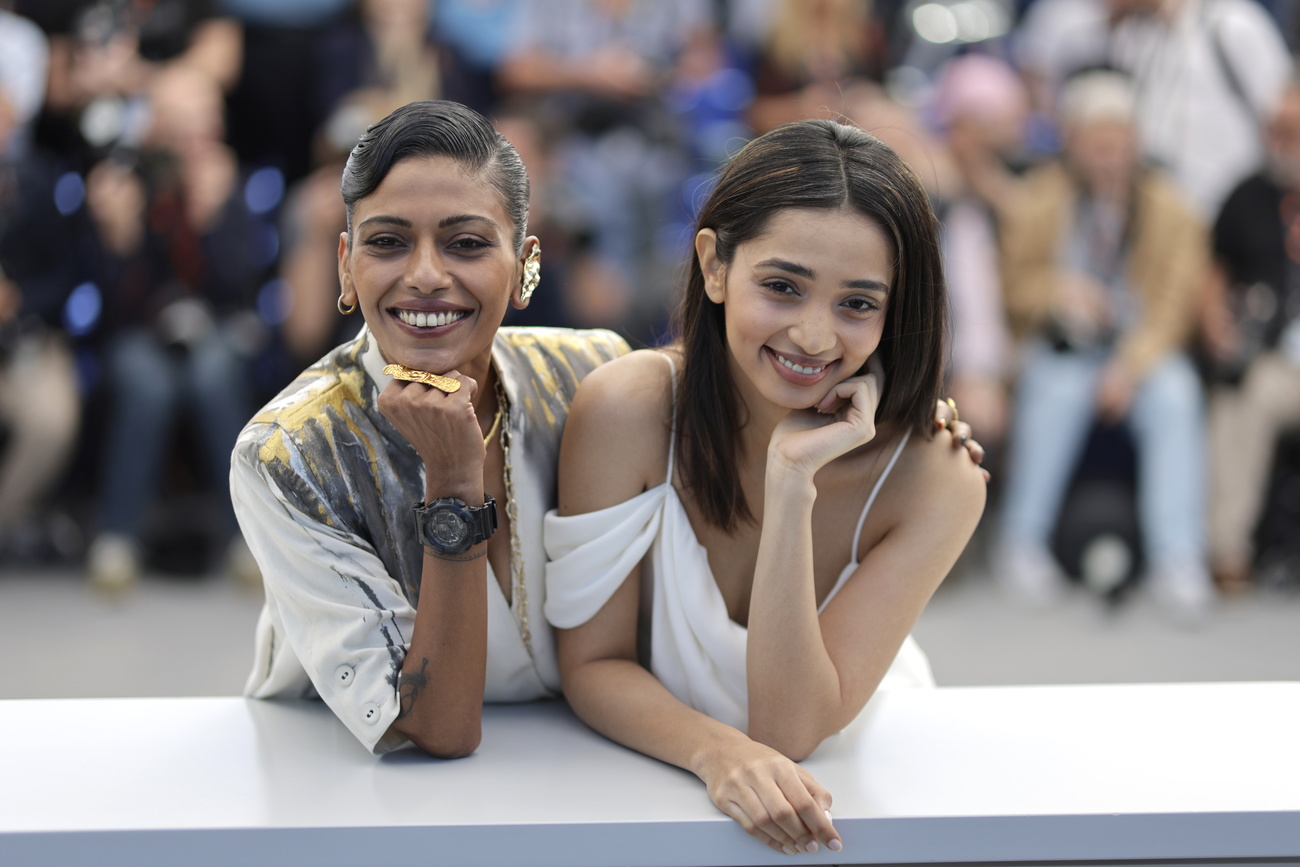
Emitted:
<point x="217" y="48"/>
<point x="441" y="683"/>
<point x="809" y="675"/>
<point x="615" y="447"/>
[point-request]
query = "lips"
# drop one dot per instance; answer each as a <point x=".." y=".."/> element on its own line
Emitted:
<point x="798" y="370"/>
<point x="430" y="319"/>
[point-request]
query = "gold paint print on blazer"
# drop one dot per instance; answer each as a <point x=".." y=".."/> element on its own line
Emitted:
<point x="323" y="485"/>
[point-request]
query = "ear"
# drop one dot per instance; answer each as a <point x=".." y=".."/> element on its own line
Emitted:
<point x="347" y="292"/>
<point x="517" y="299"/>
<point x="714" y="270"/>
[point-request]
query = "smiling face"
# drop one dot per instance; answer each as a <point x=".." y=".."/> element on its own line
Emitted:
<point x="432" y="265"/>
<point x="805" y="302"/>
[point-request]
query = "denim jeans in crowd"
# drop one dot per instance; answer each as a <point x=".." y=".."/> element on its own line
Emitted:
<point x="150" y="387"/>
<point x="1054" y="413"/>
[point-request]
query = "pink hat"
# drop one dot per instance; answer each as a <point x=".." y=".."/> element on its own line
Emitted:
<point x="979" y="86"/>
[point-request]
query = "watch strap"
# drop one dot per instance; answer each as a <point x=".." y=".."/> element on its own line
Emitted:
<point x="483" y="520"/>
<point x="480" y="521"/>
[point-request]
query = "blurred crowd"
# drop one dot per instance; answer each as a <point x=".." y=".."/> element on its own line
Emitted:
<point x="1118" y="183"/>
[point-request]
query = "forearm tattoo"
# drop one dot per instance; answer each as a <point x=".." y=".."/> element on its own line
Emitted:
<point x="409" y="686"/>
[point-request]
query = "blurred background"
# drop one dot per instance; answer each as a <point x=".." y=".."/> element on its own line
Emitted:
<point x="1118" y="183"/>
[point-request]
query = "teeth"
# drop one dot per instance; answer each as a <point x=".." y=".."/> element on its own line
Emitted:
<point x="428" y="320"/>
<point x="799" y="368"/>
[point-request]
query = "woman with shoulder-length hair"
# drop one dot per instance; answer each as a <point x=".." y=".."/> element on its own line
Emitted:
<point x="766" y="498"/>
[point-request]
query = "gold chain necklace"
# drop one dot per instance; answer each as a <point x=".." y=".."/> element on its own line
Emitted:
<point x="496" y="425"/>
<point x="519" y="590"/>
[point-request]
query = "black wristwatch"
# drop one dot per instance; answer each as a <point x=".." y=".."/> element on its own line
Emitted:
<point x="448" y="526"/>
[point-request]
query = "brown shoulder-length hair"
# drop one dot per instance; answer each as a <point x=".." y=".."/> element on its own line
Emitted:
<point x="810" y="164"/>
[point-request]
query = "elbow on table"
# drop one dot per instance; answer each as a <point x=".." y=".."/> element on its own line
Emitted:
<point x="454" y="744"/>
<point x="445" y="741"/>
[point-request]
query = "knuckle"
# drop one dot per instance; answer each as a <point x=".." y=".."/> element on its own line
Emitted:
<point x="745" y="821"/>
<point x="783" y="814"/>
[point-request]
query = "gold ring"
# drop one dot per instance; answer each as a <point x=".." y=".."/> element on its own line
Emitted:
<point x="952" y="403"/>
<point x="410" y="374"/>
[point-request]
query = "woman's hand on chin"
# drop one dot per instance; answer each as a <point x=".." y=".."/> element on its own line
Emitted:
<point x="774" y="800"/>
<point x="842" y="420"/>
<point x="444" y="430"/>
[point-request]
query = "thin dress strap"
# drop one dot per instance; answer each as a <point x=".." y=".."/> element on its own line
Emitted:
<point x="672" y="431"/>
<point x="862" y="519"/>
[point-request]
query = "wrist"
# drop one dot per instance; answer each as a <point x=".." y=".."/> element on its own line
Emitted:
<point x="468" y="489"/>
<point x="465" y="494"/>
<point x="474" y="553"/>
<point x="786" y="479"/>
<point x="704" y="760"/>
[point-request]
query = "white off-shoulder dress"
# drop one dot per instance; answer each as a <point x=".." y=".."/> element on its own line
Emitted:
<point x="696" y="650"/>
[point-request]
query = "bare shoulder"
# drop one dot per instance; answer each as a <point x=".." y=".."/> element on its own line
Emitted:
<point x="639" y="383"/>
<point x="616" y="440"/>
<point x="937" y="480"/>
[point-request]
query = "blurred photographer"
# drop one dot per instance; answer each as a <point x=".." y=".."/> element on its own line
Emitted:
<point x="174" y="257"/>
<point x="1103" y="262"/>
<point x="40" y="406"/>
<point x="105" y="56"/>
<point x="1251" y="342"/>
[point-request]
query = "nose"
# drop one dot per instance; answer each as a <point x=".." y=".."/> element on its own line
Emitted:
<point x="814" y="332"/>
<point x="426" y="270"/>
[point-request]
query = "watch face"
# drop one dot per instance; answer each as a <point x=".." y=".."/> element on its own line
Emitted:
<point x="448" y="529"/>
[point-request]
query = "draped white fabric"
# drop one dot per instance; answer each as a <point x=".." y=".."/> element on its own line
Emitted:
<point x="696" y="650"/>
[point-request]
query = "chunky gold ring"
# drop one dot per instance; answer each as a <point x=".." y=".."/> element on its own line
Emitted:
<point x="410" y="374"/>
<point x="952" y="403"/>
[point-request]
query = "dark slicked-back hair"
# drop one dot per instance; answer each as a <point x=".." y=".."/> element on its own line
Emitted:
<point x="437" y="128"/>
<point x="811" y="164"/>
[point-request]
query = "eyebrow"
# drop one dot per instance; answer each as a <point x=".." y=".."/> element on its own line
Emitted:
<point x="385" y="220"/>
<point x="809" y="274"/>
<point x="457" y="219"/>
<point x="445" y="222"/>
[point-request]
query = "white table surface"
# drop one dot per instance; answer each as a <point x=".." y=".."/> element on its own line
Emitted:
<point x="1110" y="774"/>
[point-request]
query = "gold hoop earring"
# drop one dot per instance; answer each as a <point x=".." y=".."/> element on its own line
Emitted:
<point x="532" y="274"/>
<point x="346" y="311"/>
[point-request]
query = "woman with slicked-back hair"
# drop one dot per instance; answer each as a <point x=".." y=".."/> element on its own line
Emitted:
<point x="751" y="520"/>
<point x="404" y="620"/>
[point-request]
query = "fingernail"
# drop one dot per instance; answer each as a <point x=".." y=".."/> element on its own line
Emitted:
<point x="835" y="845"/>
<point x="811" y="847"/>
<point x="787" y="850"/>
<point x="828" y="813"/>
